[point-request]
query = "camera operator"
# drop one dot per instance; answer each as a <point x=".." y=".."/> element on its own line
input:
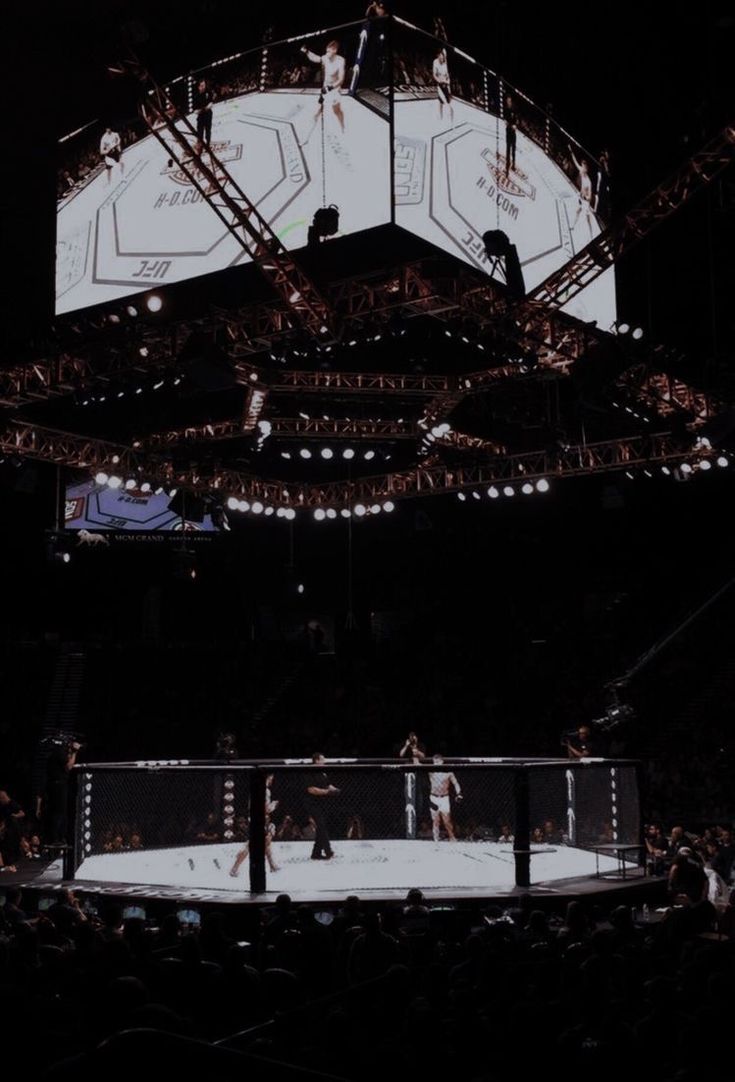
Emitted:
<point x="413" y="749"/>
<point x="61" y="760"/>
<point x="579" y="743"/>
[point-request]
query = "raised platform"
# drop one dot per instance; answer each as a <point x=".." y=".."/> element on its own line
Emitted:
<point x="376" y="870"/>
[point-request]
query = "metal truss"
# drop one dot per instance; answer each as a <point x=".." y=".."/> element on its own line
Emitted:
<point x="669" y="396"/>
<point x="367" y="383"/>
<point x="207" y="172"/>
<point x="593" y="260"/>
<point x="83" y="452"/>
<point x="290" y="428"/>
<point x="433" y="478"/>
<point x="463" y="442"/>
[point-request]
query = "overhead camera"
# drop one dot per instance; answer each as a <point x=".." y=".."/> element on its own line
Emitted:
<point x="325" y="224"/>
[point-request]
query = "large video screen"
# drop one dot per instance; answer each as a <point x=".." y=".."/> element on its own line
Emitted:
<point x="93" y="507"/>
<point x="473" y="154"/>
<point x="285" y="127"/>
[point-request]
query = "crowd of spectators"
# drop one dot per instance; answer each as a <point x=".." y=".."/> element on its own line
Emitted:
<point x="346" y="990"/>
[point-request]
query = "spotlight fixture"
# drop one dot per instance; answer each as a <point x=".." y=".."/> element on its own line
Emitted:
<point x="493" y="492"/>
<point x="389" y="506"/>
<point x="527" y="488"/>
<point x="114" y="482"/>
<point x="257" y="508"/>
<point x="360" y="509"/>
<point x="101" y="478"/>
<point x="348" y="453"/>
<point x="154" y="303"/>
<point x="509" y="491"/>
<point x="346" y="513"/>
<point x="327" y="452"/>
<point x="305" y="452"/>
<point x="542" y="485"/>
<point x="320" y="514"/>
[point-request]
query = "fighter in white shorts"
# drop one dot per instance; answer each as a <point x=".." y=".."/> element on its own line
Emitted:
<point x="333" y="77"/>
<point x="440" y="784"/>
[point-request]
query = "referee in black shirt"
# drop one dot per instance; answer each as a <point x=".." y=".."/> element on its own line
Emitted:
<point x="318" y="789"/>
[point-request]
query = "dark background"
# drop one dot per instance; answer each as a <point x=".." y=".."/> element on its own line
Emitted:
<point x="490" y="628"/>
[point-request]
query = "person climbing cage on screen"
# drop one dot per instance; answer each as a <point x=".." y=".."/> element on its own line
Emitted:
<point x="333" y="77"/>
<point x="584" y="180"/>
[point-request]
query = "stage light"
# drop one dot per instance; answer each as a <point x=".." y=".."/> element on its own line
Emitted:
<point x="305" y="452"/>
<point x="637" y="333"/>
<point x="139" y="390"/>
<point x="509" y="491"/>
<point x="722" y="462"/>
<point x="269" y="511"/>
<point x="232" y="503"/>
<point x="623" y="328"/>
<point x="705" y="464"/>
<point x="389" y="506"/>
<point x="685" y="467"/>
<point x="130" y="484"/>
<point x="375" y="509"/>
<point x="115" y="459"/>
<point x="257" y="508"/>
<point x="360" y="509"/>
<point x="346" y="513"/>
<point x="132" y="311"/>
<point x="101" y="478"/>
<point x="331" y="513"/>
<point x="542" y="485"/>
<point x="154" y="303"/>
<point x="348" y="453"/>
<point x="493" y="492"/>
<point x="286" y="454"/>
<point x="114" y="482"/>
<point x="666" y="471"/>
<point x="320" y="514"/>
<point x="461" y="496"/>
<point x="527" y="489"/>
<point x="243" y="505"/>
<point x="143" y="351"/>
<point x="441" y="430"/>
<point x="57" y="548"/>
<point x="157" y="386"/>
<point x="327" y="452"/>
<point x="290" y="514"/>
<point x="476" y="495"/>
<point x="369" y="455"/>
<point x="145" y="487"/>
<point x="300" y="588"/>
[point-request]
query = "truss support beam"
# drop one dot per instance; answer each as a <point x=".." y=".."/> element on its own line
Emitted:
<point x="593" y="260"/>
<point x="209" y="175"/>
<point x="63" y="448"/>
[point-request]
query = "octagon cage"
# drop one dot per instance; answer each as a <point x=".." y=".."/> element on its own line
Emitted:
<point x="329" y="828"/>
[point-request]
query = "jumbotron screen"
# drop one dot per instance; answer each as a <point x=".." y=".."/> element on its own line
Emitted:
<point x="129" y="218"/>
<point x="473" y="154"/>
<point x="96" y="508"/>
<point x="307" y="123"/>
